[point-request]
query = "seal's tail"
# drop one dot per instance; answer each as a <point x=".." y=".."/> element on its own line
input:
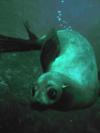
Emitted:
<point x="11" y="44"/>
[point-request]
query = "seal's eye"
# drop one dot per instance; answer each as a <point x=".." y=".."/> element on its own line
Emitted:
<point x="52" y="93"/>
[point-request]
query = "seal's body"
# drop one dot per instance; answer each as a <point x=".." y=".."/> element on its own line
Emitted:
<point x="71" y="73"/>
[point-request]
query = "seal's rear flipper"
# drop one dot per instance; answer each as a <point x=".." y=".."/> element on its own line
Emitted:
<point x="11" y="44"/>
<point x="31" y="35"/>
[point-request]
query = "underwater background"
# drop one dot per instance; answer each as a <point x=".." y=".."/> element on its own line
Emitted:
<point x="18" y="71"/>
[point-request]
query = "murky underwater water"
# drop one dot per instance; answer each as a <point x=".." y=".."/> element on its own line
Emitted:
<point x="18" y="71"/>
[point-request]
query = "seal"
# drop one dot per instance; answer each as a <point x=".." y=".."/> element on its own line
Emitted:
<point x="70" y="78"/>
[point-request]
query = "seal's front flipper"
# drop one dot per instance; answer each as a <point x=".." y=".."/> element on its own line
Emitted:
<point x="50" y="50"/>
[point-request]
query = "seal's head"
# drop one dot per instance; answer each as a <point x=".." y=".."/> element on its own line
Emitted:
<point x="54" y="91"/>
<point x="49" y="88"/>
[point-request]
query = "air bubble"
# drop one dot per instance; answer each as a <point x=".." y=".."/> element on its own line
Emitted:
<point x="59" y="18"/>
<point x="59" y="11"/>
<point x="70" y="28"/>
<point x="63" y="24"/>
<point x="62" y="1"/>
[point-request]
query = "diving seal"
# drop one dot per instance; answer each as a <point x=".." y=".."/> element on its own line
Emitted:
<point x="69" y="76"/>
